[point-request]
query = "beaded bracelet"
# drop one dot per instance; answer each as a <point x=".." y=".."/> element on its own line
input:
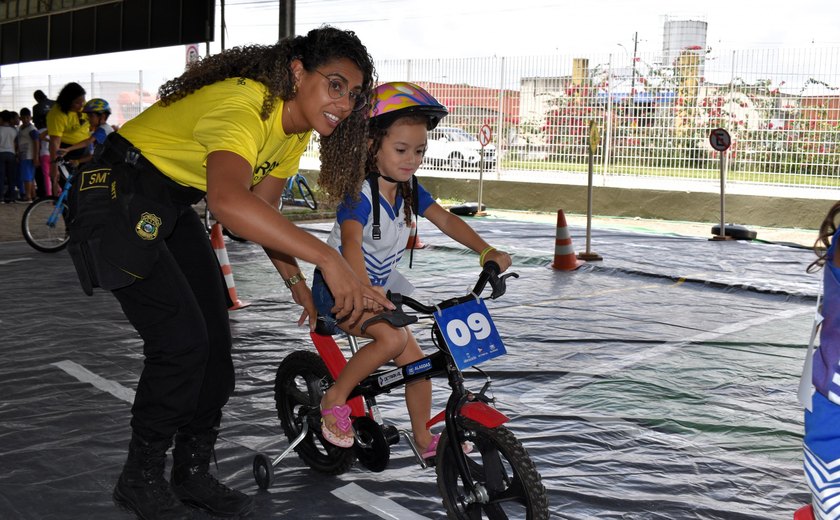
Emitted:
<point x="484" y="253"/>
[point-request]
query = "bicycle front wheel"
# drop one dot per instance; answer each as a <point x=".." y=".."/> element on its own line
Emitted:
<point x="509" y="484"/>
<point x="306" y="194"/>
<point x="40" y="230"/>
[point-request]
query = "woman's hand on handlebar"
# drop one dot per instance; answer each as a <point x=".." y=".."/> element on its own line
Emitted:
<point x="500" y="257"/>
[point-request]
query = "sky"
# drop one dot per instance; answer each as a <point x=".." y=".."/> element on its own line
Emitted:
<point x="394" y="29"/>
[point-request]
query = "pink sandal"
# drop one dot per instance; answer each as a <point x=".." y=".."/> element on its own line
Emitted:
<point x="342" y="422"/>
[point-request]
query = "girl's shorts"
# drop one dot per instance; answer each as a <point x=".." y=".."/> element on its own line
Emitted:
<point x="324" y="302"/>
<point x="822" y="457"/>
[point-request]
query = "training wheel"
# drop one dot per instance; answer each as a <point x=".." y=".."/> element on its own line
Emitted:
<point x="263" y="471"/>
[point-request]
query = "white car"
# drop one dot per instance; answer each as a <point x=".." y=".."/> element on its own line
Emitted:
<point x="457" y="149"/>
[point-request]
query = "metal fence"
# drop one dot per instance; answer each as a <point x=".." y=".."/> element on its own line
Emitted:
<point x="781" y="106"/>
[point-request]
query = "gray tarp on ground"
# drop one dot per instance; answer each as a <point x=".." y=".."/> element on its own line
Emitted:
<point x="657" y="384"/>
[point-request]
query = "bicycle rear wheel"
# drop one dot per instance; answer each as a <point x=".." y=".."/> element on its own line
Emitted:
<point x="38" y="232"/>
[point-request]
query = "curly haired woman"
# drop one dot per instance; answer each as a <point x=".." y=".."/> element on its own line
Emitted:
<point x="233" y="127"/>
<point x="822" y="414"/>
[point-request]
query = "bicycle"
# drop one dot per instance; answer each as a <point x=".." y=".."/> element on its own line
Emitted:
<point x="44" y="222"/>
<point x="496" y="479"/>
<point x="307" y="198"/>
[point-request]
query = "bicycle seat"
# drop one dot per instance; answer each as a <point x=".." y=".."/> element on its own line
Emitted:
<point x="395" y="318"/>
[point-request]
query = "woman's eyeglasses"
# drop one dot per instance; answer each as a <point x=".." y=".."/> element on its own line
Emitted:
<point x="338" y="89"/>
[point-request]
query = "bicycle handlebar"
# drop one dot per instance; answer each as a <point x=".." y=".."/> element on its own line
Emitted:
<point x="490" y="273"/>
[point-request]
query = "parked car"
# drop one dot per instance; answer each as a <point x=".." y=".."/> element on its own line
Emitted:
<point x="457" y="149"/>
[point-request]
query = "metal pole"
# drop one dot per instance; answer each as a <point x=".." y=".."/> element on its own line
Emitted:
<point x="287" y="19"/>
<point x="223" y="24"/>
<point x="480" y="179"/>
<point x="500" y="125"/>
<point x="589" y="203"/>
<point x="722" y="193"/>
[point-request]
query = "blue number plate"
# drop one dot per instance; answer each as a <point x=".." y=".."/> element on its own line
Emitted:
<point x="470" y="333"/>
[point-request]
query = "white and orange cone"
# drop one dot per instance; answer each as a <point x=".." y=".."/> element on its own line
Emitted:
<point x="217" y="240"/>
<point x="414" y="239"/>
<point x="564" y="253"/>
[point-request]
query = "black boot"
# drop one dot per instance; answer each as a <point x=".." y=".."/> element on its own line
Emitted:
<point x="195" y="486"/>
<point x="141" y="487"/>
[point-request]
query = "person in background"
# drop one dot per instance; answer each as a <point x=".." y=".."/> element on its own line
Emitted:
<point x="232" y="128"/>
<point x="821" y="444"/>
<point x="8" y="159"/>
<point x="44" y="164"/>
<point x="29" y="149"/>
<point x="97" y="111"/>
<point x="40" y="109"/>
<point x="66" y="126"/>
<point x="371" y="231"/>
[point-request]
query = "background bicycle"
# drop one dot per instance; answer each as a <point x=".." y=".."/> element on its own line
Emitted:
<point x="298" y="193"/>
<point x="44" y="223"/>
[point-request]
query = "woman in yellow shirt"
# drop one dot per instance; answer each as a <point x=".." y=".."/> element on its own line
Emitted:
<point x="233" y="126"/>
<point x="66" y="126"/>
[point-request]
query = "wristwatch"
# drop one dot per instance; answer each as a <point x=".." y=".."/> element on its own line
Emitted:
<point x="294" y="279"/>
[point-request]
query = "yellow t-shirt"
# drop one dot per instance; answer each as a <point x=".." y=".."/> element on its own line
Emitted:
<point x="223" y="116"/>
<point x="71" y="127"/>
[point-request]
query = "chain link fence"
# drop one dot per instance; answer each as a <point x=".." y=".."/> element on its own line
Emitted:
<point x="654" y="113"/>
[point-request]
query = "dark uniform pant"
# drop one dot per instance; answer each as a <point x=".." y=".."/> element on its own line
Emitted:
<point x="178" y="304"/>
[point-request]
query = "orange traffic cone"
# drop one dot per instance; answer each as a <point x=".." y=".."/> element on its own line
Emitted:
<point x="804" y="513"/>
<point x="413" y="239"/>
<point x="564" y="253"/>
<point x="218" y="243"/>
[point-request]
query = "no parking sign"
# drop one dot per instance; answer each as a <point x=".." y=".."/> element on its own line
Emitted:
<point x="720" y="139"/>
<point x="485" y="135"/>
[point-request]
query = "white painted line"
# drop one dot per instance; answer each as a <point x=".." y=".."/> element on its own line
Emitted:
<point x="7" y="262"/>
<point x="381" y="507"/>
<point x="86" y="376"/>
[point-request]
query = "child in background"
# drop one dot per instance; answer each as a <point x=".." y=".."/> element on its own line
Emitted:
<point x="29" y="141"/>
<point x="97" y="110"/>
<point x="400" y="116"/>
<point x="822" y="399"/>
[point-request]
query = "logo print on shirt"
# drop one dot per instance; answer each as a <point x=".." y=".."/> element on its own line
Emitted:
<point x="261" y="171"/>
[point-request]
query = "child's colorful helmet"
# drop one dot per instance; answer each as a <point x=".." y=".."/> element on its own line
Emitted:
<point x="400" y="98"/>
<point x="97" y="106"/>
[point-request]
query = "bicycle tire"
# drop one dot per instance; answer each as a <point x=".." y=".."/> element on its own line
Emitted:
<point x="501" y="465"/>
<point x="306" y="194"/>
<point x="35" y="230"/>
<point x="233" y="235"/>
<point x="297" y="393"/>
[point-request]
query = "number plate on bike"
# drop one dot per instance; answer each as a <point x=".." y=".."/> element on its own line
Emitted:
<point x="470" y="333"/>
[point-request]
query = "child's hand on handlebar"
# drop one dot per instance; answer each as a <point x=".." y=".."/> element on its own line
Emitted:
<point x="500" y="257"/>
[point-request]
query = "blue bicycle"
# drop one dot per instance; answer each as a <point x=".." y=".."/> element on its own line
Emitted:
<point x="298" y="193"/>
<point x="44" y="222"/>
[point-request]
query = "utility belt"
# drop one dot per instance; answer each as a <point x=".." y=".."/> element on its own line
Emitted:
<point x="122" y="211"/>
<point x="118" y="150"/>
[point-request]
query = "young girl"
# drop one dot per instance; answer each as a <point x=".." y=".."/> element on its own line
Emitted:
<point x="822" y="418"/>
<point x="400" y="116"/>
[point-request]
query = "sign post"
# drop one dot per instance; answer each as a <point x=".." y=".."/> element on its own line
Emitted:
<point x="485" y="135"/>
<point x="720" y="140"/>
<point x="594" y="141"/>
